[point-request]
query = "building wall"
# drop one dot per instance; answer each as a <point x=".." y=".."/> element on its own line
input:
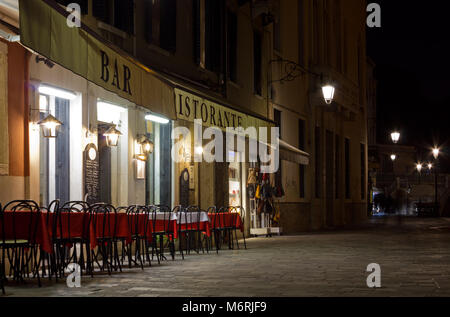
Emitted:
<point x="323" y="50"/>
<point x="14" y="183"/>
<point x="322" y="36"/>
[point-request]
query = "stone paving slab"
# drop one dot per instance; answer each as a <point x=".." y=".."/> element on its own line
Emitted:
<point x="414" y="258"/>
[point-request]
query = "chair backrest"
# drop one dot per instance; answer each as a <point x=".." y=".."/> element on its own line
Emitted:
<point x="219" y="219"/>
<point x="136" y="221"/>
<point x="240" y="211"/>
<point x="161" y="213"/>
<point x="20" y="220"/>
<point x="102" y="215"/>
<point x="64" y="219"/>
<point x="190" y="217"/>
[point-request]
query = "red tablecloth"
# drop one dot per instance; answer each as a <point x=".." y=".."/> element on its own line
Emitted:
<point x="23" y="220"/>
<point x="227" y="219"/>
<point x="82" y="225"/>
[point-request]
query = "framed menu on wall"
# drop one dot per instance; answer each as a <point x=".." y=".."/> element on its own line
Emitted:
<point x="91" y="173"/>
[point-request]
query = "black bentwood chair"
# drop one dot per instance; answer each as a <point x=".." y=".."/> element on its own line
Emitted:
<point x="225" y="231"/>
<point x="189" y="230"/>
<point x="216" y="231"/>
<point x="46" y="258"/>
<point x="70" y="246"/>
<point x="162" y="215"/>
<point x="20" y="247"/>
<point x="138" y="238"/>
<point x="102" y="216"/>
<point x="240" y="212"/>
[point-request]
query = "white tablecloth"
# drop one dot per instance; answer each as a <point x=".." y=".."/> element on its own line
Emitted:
<point x="182" y="217"/>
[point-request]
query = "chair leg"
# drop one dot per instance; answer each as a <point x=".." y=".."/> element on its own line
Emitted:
<point x="2" y="272"/>
<point x="237" y="240"/>
<point x="180" y="245"/>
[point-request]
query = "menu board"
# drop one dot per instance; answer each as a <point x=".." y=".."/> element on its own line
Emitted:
<point x="91" y="174"/>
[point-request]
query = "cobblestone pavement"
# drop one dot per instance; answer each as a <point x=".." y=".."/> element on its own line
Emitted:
<point x="414" y="255"/>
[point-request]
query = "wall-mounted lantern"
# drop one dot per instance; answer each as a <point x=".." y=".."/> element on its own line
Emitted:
<point x="50" y="126"/>
<point x="112" y="136"/>
<point x="143" y="148"/>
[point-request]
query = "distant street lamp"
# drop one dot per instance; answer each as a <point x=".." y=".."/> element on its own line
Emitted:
<point x="395" y="136"/>
<point x="419" y="167"/>
<point x="436" y="152"/>
<point x="393" y="157"/>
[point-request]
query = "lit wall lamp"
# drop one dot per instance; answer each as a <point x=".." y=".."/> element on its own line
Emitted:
<point x="50" y="126"/>
<point x="143" y="148"/>
<point x="147" y="146"/>
<point x="112" y="136"/>
<point x="393" y="157"/>
<point x="328" y="93"/>
<point x="293" y="70"/>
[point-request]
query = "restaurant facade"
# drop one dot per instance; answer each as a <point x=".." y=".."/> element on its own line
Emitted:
<point x="107" y="77"/>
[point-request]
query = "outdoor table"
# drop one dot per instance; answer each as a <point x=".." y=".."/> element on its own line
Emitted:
<point x="161" y="222"/>
<point x="191" y="221"/>
<point x="82" y="225"/>
<point x="23" y="221"/>
<point x="226" y="220"/>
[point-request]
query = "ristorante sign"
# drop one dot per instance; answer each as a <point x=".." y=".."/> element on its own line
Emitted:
<point x="190" y="107"/>
<point x="45" y="30"/>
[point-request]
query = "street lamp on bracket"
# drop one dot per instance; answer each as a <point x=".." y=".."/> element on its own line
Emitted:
<point x="293" y="70"/>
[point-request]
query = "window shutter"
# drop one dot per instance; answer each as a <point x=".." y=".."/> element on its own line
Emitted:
<point x="124" y="15"/>
<point x="83" y="4"/>
<point x="232" y="46"/>
<point x="100" y="10"/>
<point x="168" y="33"/>
<point x="213" y="35"/>
<point x="149" y="21"/>
<point x="196" y="30"/>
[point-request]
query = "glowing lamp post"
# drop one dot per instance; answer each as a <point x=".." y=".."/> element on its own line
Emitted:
<point x="436" y="152"/>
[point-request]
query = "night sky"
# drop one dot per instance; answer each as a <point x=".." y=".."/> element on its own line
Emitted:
<point x="412" y="53"/>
